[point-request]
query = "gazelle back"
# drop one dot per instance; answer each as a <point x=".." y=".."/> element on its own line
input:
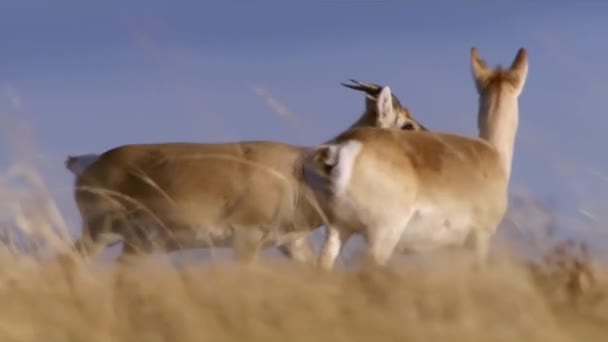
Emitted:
<point x="247" y="195"/>
<point x="416" y="191"/>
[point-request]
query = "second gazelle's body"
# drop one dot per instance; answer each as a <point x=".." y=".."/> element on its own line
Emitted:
<point x="418" y="191"/>
<point x="246" y="195"/>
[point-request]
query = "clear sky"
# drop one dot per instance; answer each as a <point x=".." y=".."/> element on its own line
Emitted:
<point x="87" y="76"/>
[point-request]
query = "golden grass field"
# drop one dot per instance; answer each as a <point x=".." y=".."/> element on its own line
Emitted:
<point x="153" y="300"/>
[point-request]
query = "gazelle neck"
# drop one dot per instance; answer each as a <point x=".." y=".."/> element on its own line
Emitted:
<point x="498" y="120"/>
<point x="367" y="119"/>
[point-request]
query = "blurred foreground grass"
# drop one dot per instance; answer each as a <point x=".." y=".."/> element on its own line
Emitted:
<point x="154" y="300"/>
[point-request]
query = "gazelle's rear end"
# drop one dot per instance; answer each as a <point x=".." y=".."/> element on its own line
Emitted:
<point x="416" y="191"/>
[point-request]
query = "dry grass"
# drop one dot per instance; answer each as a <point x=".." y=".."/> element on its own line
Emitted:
<point x="153" y="300"/>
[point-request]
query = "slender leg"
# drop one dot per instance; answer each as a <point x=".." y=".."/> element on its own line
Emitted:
<point x="479" y="243"/>
<point x="335" y="239"/>
<point x="383" y="240"/>
<point x="94" y="238"/>
<point x="124" y="264"/>
<point x="247" y="245"/>
<point x="298" y="249"/>
<point x="382" y="245"/>
<point x="129" y="251"/>
<point x="90" y="244"/>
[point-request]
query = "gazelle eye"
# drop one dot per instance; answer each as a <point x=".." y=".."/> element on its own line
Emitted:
<point x="407" y="126"/>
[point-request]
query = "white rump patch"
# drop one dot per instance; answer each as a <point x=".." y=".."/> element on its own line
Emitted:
<point x="331" y="158"/>
<point x="342" y="172"/>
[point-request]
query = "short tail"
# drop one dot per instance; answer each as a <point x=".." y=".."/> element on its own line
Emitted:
<point x="78" y="163"/>
<point x="319" y="165"/>
<point x="325" y="158"/>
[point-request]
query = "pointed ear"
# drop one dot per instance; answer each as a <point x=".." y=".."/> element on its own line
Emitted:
<point x="519" y="70"/>
<point x="481" y="71"/>
<point x="384" y="108"/>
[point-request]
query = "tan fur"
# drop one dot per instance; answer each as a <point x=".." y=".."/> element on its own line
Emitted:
<point x="247" y="195"/>
<point x="416" y="191"/>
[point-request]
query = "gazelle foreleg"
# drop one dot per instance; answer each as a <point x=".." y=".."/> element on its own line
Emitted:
<point x="478" y="242"/>
<point x="384" y="238"/>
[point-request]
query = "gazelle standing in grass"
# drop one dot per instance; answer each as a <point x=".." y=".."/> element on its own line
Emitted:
<point x="246" y="195"/>
<point x="419" y="191"/>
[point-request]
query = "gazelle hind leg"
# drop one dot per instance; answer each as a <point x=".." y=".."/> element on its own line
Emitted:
<point x="478" y="242"/>
<point x="383" y="240"/>
<point x="335" y="239"/>
<point x="129" y="252"/>
<point x="96" y="235"/>
<point x="247" y="245"/>
<point x="298" y="249"/>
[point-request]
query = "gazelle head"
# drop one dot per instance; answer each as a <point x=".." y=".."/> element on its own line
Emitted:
<point x="499" y="91"/>
<point x="383" y="109"/>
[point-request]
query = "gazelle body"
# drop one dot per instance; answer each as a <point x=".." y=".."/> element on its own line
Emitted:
<point x="246" y="195"/>
<point x="419" y="191"/>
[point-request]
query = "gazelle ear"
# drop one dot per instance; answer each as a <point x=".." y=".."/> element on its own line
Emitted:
<point x="479" y="68"/>
<point x="519" y="70"/>
<point x="384" y="108"/>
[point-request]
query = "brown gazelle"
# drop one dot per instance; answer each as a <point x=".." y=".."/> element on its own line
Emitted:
<point x="246" y="195"/>
<point x="419" y="191"/>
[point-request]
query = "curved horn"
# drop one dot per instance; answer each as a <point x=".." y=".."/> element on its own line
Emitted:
<point x="371" y="89"/>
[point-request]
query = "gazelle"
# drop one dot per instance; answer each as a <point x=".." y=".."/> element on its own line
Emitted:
<point x="247" y="195"/>
<point x="419" y="191"/>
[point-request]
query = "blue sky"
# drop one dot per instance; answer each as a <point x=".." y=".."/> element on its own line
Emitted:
<point x="87" y="76"/>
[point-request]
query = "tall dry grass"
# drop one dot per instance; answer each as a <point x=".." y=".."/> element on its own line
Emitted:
<point x="154" y="300"/>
